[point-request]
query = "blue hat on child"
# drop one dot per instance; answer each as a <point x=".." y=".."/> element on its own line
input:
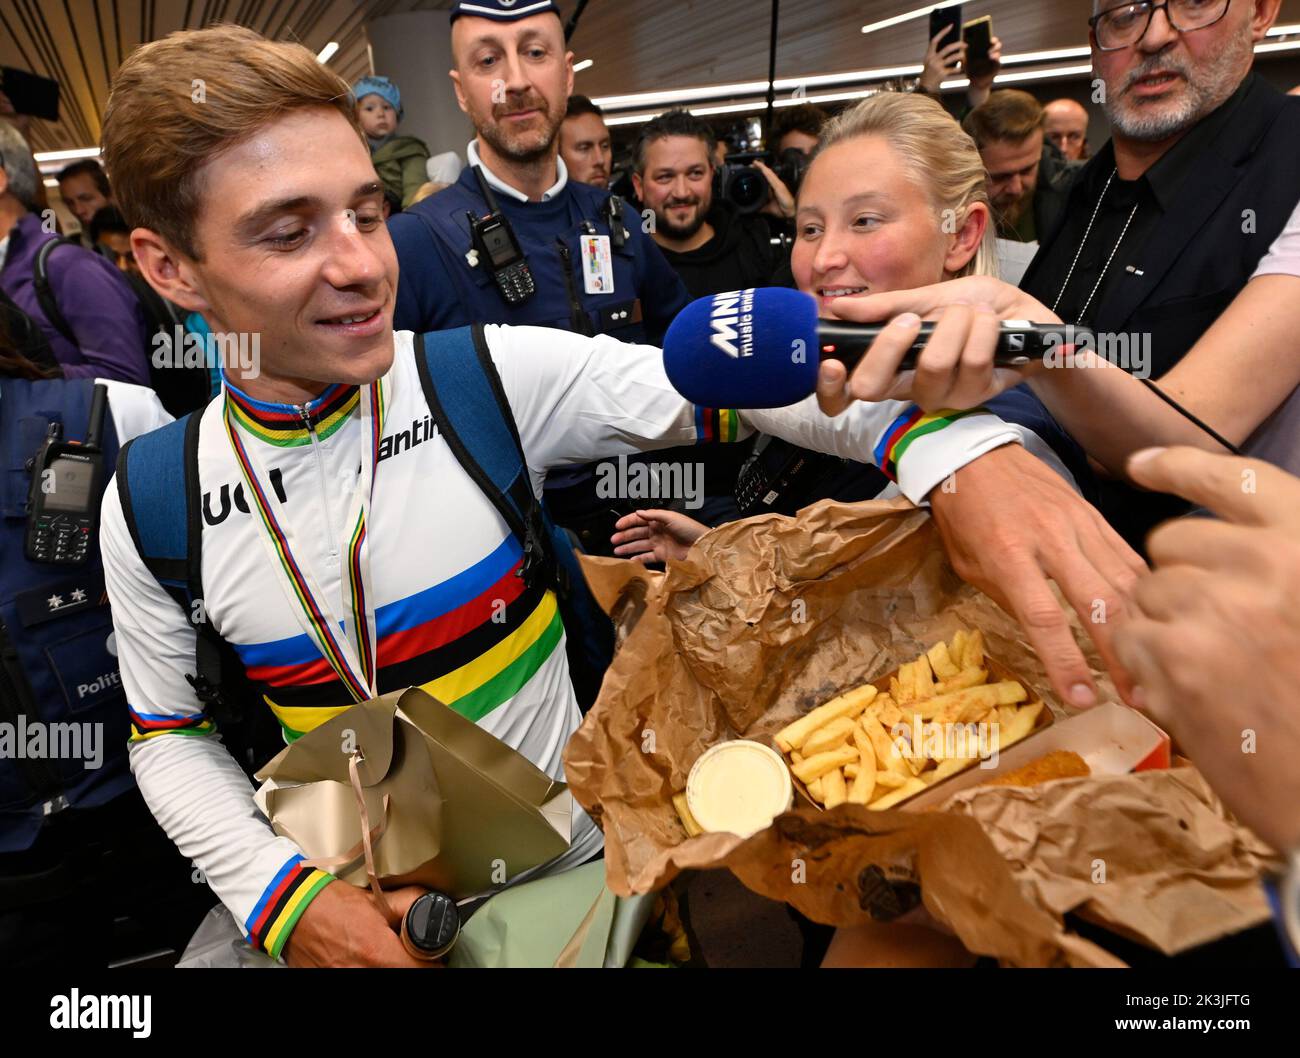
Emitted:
<point x="382" y="87"/>
<point x="502" y="10"/>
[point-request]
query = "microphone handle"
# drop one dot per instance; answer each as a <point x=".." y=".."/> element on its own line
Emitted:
<point x="1019" y="344"/>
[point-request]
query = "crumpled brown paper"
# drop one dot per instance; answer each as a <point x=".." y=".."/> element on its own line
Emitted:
<point x="1152" y="856"/>
<point x="768" y="618"/>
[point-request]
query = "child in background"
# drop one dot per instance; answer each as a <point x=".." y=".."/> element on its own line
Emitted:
<point x="400" y="161"/>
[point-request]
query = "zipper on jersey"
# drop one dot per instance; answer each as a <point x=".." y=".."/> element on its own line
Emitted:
<point x="331" y="528"/>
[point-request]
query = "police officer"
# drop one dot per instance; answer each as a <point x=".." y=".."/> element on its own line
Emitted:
<point x="590" y="266"/>
<point x="515" y="241"/>
<point x="86" y="876"/>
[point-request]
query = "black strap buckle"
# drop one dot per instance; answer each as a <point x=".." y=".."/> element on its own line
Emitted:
<point x="540" y="567"/>
<point x="205" y="690"/>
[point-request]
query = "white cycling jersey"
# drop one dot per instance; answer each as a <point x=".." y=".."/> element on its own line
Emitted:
<point x="441" y="563"/>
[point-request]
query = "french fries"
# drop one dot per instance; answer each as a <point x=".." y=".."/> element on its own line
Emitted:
<point x="856" y="748"/>
<point x="850" y="704"/>
<point x="693" y="828"/>
<point x="829" y="737"/>
<point x="815" y="767"/>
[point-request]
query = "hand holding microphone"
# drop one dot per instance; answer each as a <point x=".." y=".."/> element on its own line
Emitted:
<point x="957" y="368"/>
<point x="766" y="348"/>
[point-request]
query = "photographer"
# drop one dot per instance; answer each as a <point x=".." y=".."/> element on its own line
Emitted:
<point x="712" y="246"/>
<point x="708" y="242"/>
<point x="794" y="129"/>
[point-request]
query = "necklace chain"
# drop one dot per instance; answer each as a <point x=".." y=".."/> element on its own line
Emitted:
<point x="1079" y="252"/>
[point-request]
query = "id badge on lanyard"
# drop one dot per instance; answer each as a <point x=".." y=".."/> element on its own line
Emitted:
<point x="351" y="653"/>
<point x="597" y="264"/>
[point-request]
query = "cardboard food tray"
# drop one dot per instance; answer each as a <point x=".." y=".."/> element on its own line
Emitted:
<point x="1112" y="740"/>
<point x="997" y="673"/>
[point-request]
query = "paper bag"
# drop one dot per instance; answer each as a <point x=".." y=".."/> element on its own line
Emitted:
<point x="768" y="618"/>
<point x="450" y="807"/>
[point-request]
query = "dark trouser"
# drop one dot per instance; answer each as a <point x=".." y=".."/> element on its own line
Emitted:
<point x="100" y="885"/>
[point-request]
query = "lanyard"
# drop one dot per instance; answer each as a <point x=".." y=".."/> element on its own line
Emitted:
<point x="351" y="655"/>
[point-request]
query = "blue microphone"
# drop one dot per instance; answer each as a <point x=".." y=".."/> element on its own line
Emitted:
<point x="745" y="349"/>
<point x="761" y="348"/>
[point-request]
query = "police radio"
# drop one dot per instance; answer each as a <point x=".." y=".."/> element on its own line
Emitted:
<point x="497" y="248"/>
<point x="63" y="504"/>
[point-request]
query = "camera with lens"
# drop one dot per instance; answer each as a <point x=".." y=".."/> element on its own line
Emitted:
<point x="747" y="189"/>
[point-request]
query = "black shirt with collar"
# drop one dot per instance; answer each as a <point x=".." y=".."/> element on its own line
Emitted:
<point x="1208" y="210"/>
<point x="1153" y="195"/>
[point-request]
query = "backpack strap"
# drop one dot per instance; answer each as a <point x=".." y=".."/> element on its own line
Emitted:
<point x="152" y="470"/>
<point x="45" y="293"/>
<point x="469" y="405"/>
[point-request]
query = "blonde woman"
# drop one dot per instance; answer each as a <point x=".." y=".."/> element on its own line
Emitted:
<point x="895" y="198"/>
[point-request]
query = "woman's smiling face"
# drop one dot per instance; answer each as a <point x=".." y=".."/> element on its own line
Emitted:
<point x="865" y="225"/>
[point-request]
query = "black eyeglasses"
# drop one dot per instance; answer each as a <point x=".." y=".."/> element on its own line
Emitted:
<point x="1120" y="27"/>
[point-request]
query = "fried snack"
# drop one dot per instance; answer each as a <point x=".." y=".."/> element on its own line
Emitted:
<point x="889" y="780"/>
<point x="833" y="735"/>
<point x="1019" y="725"/>
<point x="912" y="786"/>
<point x="857" y="748"/>
<point x="684" y="814"/>
<point x="948" y="767"/>
<point x="849" y="704"/>
<point x="887" y="755"/>
<point x="941" y="662"/>
<point x="960" y="707"/>
<point x="816" y="767"/>
<point x="957" y="648"/>
<point x="922" y="678"/>
<point x="864" y="778"/>
<point x="1059" y="764"/>
<point x="887" y="712"/>
<point x="834" y="788"/>
<point x="965" y="678"/>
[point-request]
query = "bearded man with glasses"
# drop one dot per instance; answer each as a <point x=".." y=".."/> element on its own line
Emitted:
<point x="1166" y="224"/>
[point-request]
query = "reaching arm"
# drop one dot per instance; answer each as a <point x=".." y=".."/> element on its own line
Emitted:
<point x="1237" y="375"/>
<point x="1233" y="379"/>
<point x="579" y="399"/>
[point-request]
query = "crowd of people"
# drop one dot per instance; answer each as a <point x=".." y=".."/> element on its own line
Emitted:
<point x="289" y="208"/>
